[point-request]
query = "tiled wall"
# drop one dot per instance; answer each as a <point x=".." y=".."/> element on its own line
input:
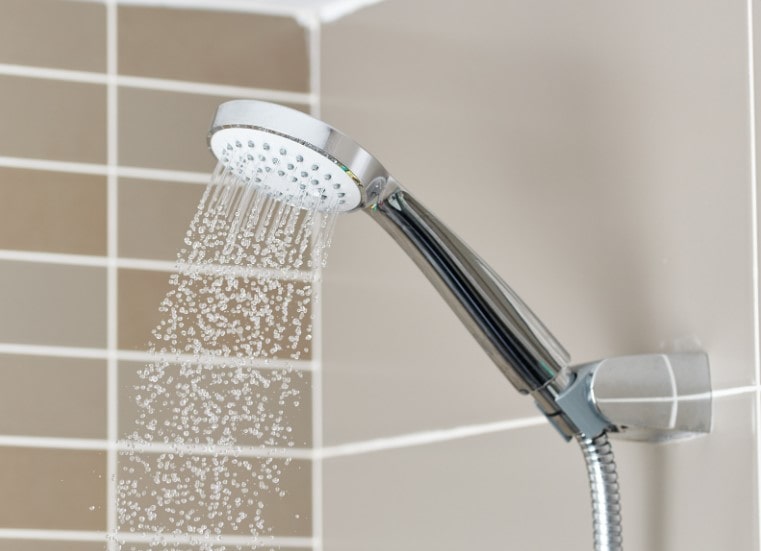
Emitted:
<point x="104" y="110"/>
<point x="600" y="156"/>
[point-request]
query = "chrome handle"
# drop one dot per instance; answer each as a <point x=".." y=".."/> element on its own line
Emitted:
<point x="521" y="346"/>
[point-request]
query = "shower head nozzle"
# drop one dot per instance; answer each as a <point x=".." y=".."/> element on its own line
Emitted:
<point x="295" y="157"/>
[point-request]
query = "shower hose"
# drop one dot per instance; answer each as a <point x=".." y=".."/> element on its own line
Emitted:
<point x="603" y="481"/>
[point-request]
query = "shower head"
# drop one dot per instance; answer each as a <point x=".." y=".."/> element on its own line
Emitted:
<point x="295" y="157"/>
<point x="305" y="162"/>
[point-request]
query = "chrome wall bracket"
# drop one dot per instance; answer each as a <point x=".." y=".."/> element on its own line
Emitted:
<point x="651" y="397"/>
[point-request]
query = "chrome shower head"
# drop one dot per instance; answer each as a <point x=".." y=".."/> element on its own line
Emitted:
<point x="295" y="157"/>
<point x="305" y="162"/>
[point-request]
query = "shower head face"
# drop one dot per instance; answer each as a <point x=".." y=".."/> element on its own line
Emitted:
<point x="294" y="157"/>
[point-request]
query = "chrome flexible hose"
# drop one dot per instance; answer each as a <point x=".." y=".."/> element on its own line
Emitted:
<point x="606" y="501"/>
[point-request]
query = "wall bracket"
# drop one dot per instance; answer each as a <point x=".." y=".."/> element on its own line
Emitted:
<point x="649" y="397"/>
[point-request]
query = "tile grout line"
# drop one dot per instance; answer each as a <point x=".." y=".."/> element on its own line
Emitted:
<point x="129" y="537"/>
<point x="147" y="264"/>
<point x="237" y="6"/>
<point x="164" y="175"/>
<point x="112" y="272"/>
<point x="358" y="447"/>
<point x="328" y="12"/>
<point x="155" y="84"/>
<point x="428" y="437"/>
<point x="313" y="30"/>
<point x="146" y="356"/>
<point x="755" y="258"/>
<point x="100" y="444"/>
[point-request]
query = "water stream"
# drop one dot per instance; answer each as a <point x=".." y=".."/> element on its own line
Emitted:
<point x="221" y="417"/>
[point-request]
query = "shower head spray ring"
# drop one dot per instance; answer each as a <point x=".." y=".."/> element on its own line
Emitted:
<point x="321" y="169"/>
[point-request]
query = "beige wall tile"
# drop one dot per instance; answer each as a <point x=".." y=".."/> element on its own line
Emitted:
<point x="141" y="292"/>
<point x="166" y="130"/>
<point x="704" y="507"/>
<point x="48" y="119"/>
<point x="430" y="376"/>
<point x="40" y="33"/>
<point x="33" y="403"/>
<point x="491" y="492"/>
<point x="52" y="304"/>
<point x="53" y="489"/>
<point x="494" y="491"/>
<point x="284" y="489"/>
<point x="217" y="47"/>
<point x="268" y="387"/>
<point x="32" y="545"/>
<point x="52" y="212"/>
<point x="154" y="216"/>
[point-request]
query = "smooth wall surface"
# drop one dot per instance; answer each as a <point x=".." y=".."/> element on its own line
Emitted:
<point x="600" y="157"/>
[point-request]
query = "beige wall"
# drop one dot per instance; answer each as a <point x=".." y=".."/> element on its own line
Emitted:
<point x="104" y="112"/>
<point x="599" y="156"/>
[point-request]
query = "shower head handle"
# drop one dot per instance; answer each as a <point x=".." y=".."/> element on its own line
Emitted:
<point x="305" y="161"/>
<point x="511" y="334"/>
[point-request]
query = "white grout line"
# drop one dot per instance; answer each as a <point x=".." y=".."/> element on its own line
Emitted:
<point x="153" y="265"/>
<point x="281" y="8"/>
<point x="156" y="84"/>
<point x="754" y="198"/>
<point x="317" y="333"/>
<point x="53" y="443"/>
<point x="216" y="269"/>
<point x="130" y="537"/>
<point x="54" y="258"/>
<point x="159" y="174"/>
<point x="242" y="92"/>
<point x="736" y="391"/>
<point x="714" y="394"/>
<point x="50" y="535"/>
<point x="179" y="176"/>
<point x="316" y="454"/>
<point x="222" y="361"/>
<point x="341" y="8"/>
<point x="195" y="540"/>
<point x="55" y="166"/>
<point x="317" y="422"/>
<point x="67" y="75"/>
<point x="95" y="444"/>
<point x="53" y="351"/>
<point x="755" y="258"/>
<point x="323" y="12"/>
<point x="112" y="271"/>
<point x="425" y="438"/>
<point x="145" y="356"/>
<point x="758" y="462"/>
<point x="217" y="450"/>
<point x="146" y="265"/>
